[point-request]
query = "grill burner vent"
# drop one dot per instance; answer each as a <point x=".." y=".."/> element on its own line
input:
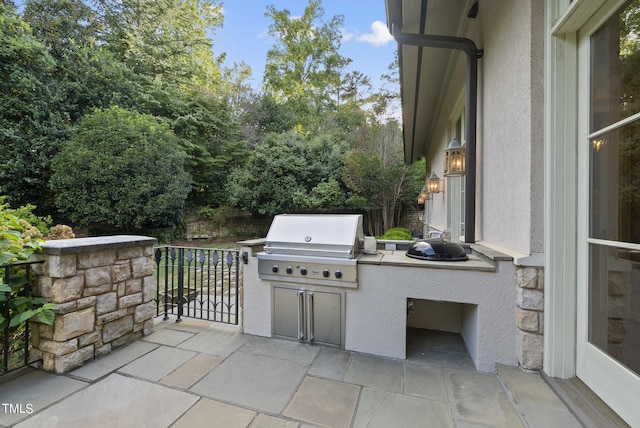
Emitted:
<point x="437" y="250"/>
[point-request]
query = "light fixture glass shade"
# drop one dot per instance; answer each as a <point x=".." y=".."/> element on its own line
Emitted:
<point x="454" y="159"/>
<point x="422" y="197"/>
<point x="433" y="183"/>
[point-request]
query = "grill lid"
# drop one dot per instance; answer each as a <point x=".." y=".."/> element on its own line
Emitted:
<point x="332" y="235"/>
<point x="437" y="250"/>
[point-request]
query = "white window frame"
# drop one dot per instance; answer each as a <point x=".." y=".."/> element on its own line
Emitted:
<point x="562" y="185"/>
<point x="599" y="370"/>
<point x="560" y="172"/>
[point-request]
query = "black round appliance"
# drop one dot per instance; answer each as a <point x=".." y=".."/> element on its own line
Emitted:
<point x="437" y="250"/>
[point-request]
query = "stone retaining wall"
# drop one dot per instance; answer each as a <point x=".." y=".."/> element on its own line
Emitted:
<point x="104" y="290"/>
<point x="244" y="225"/>
<point x="530" y="316"/>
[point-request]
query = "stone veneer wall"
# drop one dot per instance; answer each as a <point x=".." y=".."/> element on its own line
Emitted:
<point x="530" y="316"/>
<point x="104" y="290"/>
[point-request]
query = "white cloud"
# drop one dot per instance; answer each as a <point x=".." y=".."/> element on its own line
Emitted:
<point x="379" y="35"/>
<point x="346" y="36"/>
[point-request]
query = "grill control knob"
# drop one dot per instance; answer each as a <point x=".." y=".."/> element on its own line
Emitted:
<point x="289" y="270"/>
<point x="325" y="273"/>
<point x="303" y="271"/>
<point x="274" y="268"/>
<point x="338" y="274"/>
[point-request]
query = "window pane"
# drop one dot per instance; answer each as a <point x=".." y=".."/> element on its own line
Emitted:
<point x="614" y="303"/>
<point x="458" y="130"/>
<point x="615" y="80"/>
<point x="615" y="185"/>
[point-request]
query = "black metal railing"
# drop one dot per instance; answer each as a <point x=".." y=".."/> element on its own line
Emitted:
<point x="15" y="339"/>
<point x="197" y="283"/>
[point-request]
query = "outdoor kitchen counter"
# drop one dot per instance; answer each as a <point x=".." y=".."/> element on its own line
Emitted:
<point x="375" y="319"/>
<point x="400" y="258"/>
<point x="478" y="294"/>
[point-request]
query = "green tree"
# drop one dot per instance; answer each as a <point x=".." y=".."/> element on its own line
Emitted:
<point x="86" y="74"/>
<point x="122" y="169"/>
<point x="62" y="25"/>
<point x="166" y="40"/>
<point x="209" y="136"/>
<point x="304" y="66"/>
<point x="288" y="173"/>
<point x="32" y="124"/>
<point x="262" y="114"/>
<point x="98" y="75"/>
<point x="386" y="101"/>
<point x="380" y="181"/>
<point x="236" y="87"/>
<point x="356" y="87"/>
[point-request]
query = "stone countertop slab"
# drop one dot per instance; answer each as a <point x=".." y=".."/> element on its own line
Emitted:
<point x="72" y="246"/>
<point x="399" y="258"/>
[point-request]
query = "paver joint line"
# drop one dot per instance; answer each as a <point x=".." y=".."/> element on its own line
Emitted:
<point x="512" y="400"/>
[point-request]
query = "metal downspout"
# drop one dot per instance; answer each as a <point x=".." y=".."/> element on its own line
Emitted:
<point x="473" y="53"/>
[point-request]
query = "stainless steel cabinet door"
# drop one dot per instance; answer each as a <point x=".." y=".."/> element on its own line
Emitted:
<point x="312" y="315"/>
<point x="324" y="317"/>
<point x="288" y="313"/>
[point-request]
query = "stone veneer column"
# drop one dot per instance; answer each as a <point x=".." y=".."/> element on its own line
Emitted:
<point x="530" y="316"/>
<point x="104" y="290"/>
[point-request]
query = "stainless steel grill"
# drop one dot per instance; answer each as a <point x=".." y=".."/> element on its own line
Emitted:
<point x="312" y="249"/>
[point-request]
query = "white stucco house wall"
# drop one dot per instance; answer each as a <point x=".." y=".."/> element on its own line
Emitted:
<point x="552" y="166"/>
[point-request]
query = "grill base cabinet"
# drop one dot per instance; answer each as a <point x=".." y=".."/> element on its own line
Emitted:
<point x="311" y="314"/>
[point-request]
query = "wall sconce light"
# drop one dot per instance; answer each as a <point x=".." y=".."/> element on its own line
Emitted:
<point x="433" y="184"/>
<point x="454" y="159"/>
<point x="598" y="143"/>
<point x="422" y="197"/>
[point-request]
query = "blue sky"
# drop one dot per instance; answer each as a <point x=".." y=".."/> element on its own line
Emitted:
<point x="366" y="40"/>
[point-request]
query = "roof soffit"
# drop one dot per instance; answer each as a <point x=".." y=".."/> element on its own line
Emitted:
<point x="424" y="71"/>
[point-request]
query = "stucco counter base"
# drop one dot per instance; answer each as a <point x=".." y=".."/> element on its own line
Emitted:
<point x="376" y="311"/>
<point x="376" y="316"/>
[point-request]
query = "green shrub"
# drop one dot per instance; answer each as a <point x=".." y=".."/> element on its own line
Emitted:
<point x="60" y="231"/>
<point x="18" y="241"/>
<point x="397" y="234"/>
<point x="164" y="236"/>
<point x="122" y="169"/>
<point x="42" y="224"/>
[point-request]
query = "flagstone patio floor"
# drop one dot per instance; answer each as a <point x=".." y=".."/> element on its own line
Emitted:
<point x="198" y="374"/>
